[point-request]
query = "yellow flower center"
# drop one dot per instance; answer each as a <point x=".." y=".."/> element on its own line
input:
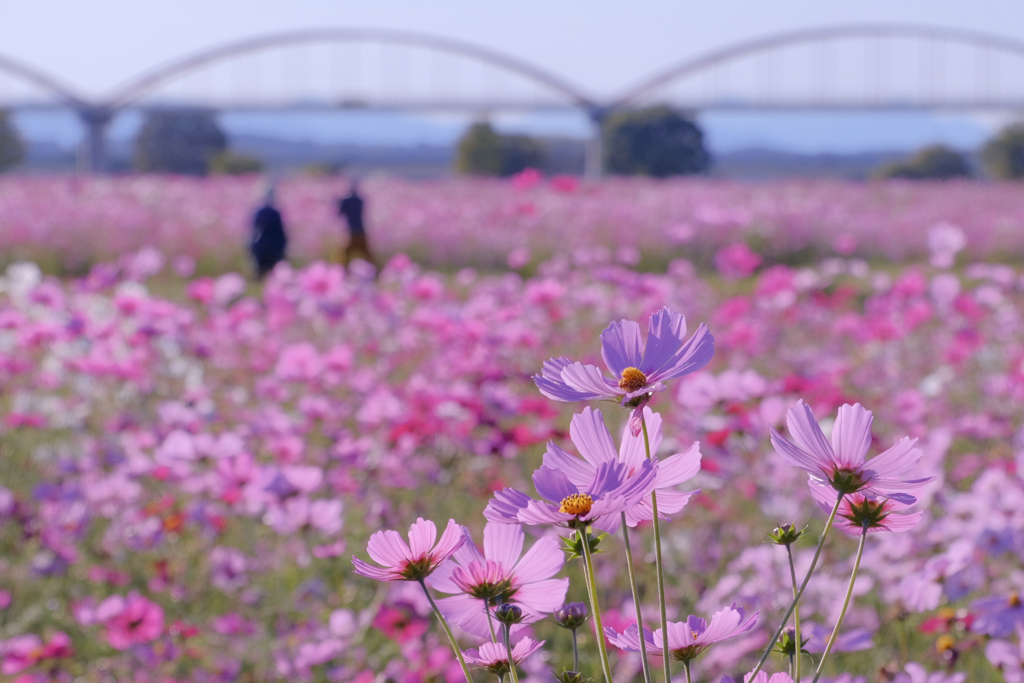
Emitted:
<point x="632" y="380"/>
<point x="1014" y="600"/>
<point x="576" y="504"/>
<point x="945" y="642"/>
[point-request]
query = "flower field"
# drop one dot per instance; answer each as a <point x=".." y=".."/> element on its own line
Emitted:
<point x="191" y="461"/>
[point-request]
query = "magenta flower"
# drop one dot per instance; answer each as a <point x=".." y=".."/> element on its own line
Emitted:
<point x="842" y="463"/>
<point x="494" y="656"/>
<point x="498" y="575"/>
<point x="689" y="638"/>
<point x="611" y="490"/>
<point x="413" y="561"/>
<point x="134" y="620"/>
<point x="638" y="370"/>
<point x="857" y="511"/>
<point x="594" y="442"/>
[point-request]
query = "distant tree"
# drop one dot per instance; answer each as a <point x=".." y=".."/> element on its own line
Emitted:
<point x="484" y="151"/>
<point x="233" y="163"/>
<point x="931" y="163"/>
<point x="1003" y="155"/>
<point x="657" y="141"/>
<point x="178" y="141"/>
<point x="12" y="150"/>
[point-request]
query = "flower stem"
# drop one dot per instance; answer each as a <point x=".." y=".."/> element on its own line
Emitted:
<point x="606" y="668"/>
<point x="490" y="621"/>
<point x="686" y="668"/>
<point x="803" y="586"/>
<point x="448" y="631"/>
<point x="846" y="604"/>
<point x="659" y="565"/>
<point x="575" y="652"/>
<point x="795" y="662"/>
<point x="636" y="601"/>
<point x="508" y="649"/>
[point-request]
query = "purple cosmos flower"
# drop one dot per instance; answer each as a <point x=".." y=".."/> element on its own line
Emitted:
<point x="594" y="442"/>
<point x="842" y="464"/>
<point x="858" y="509"/>
<point x="612" y="489"/>
<point x="498" y="575"/>
<point x="999" y="615"/>
<point x="761" y="677"/>
<point x="689" y="638"/>
<point x="413" y="561"/>
<point x="494" y="657"/>
<point x="638" y="370"/>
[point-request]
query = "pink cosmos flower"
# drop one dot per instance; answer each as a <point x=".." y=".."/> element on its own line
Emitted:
<point x="594" y="442"/>
<point x="499" y="575"/>
<point x="858" y="509"/>
<point x="638" y="369"/>
<point x="411" y="561"/>
<point x="135" y="620"/>
<point x="842" y="463"/>
<point x="689" y="638"/>
<point x="494" y="657"/>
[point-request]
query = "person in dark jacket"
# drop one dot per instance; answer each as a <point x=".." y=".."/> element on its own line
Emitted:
<point x="351" y="207"/>
<point x="269" y="241"/>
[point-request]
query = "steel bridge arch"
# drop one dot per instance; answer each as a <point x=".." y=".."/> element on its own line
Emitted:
<point x="149" y="81"/>
<point x="48" y="83"/>
<point x="745" y="48"/>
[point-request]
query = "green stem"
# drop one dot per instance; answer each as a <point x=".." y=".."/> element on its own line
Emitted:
<point x="508" y="649"/>
<point x="575" y="652"/>
<point x="795" y="661"/>
<point x="846" y="604"/>
<point x="686" y="668"/>
<point x="803" y="586"/>
<point x="592" y="586"/>
<point x="636" y="601"/>
<point x="490" y="622"/>
<point x="659" y="565"/>
<point x="448" y="631"/>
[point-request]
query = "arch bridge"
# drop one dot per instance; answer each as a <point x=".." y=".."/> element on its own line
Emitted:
<point x="870" y="66"/>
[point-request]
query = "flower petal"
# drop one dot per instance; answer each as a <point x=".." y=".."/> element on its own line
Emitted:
<point x="422" y="535"/>
<point x="809" y="437"/>
<point x="851" y="435"/>
<point x="591" y="437"/>
<point x="622" y="346"/>
<point x="503" y="543"/>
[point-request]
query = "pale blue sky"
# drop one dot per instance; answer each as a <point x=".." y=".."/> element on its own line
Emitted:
<point x="599" y="45"/>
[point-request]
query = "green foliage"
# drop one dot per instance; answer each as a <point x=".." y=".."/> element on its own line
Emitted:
<point x="178" y="141"/>
<point x="12" y="150"/>
<point x="233" y="163"/>
<point x="657" y="141"/>
<point x="1003" y="155"/>
<point x="931" y="163"/>
<point x="484" y="151"/>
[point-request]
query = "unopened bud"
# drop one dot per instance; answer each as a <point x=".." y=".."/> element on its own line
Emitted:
<point x="786" y="534"/>
<point x="570" y="677"/>
<point x="508" y="613"/>
<point x="571" y="615"/>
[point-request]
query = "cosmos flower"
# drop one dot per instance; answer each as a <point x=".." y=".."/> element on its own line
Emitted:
<point x="612" y="489"/>
<point x="499" y="575"/>
<point x="858" y="509"/>
<point x="842" y="463"/>
<point x="594" y="442"/>
<point x="493" y="657"/>
<point x="413" y="561"/>
<point x="638" y="369"/>
<point x="998" y="615"/>
<point x="687" y="639"/>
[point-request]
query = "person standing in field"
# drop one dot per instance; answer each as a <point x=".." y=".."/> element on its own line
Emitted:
<point x="269" y="241"/>
<point x="351" y="207"/>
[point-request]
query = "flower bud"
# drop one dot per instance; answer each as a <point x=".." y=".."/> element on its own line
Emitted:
<point x="570" y="677"/>
<point x="786" y="534"/>
<point x="571" y="615"/>
<point x="508" y="613"/>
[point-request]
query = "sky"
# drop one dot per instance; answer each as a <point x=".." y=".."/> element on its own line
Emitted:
<point x="601" y="46"/>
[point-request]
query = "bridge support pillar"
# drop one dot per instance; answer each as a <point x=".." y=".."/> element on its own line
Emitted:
<point x="92" y="152"/>
<point x="593" y="160"/>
